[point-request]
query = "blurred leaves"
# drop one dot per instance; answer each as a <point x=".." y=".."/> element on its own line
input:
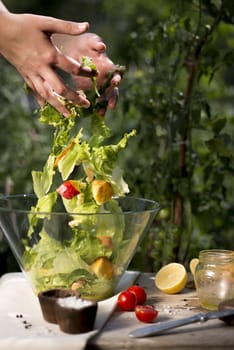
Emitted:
<point x="23" y="141"/>
<point x="160" y="57"/>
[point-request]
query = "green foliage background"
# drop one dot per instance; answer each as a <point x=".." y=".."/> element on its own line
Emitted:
<point x="158" y="41"/>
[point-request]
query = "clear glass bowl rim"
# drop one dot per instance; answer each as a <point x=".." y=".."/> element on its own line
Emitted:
<point x="154" y="209"/>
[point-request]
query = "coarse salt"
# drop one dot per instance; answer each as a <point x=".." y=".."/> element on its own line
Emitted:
<point x="73" y="302"/>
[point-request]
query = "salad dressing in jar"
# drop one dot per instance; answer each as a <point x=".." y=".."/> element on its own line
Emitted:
<point x="214" y="277"/>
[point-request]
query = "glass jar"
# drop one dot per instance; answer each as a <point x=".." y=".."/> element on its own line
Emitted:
<point x="214" y="277"/>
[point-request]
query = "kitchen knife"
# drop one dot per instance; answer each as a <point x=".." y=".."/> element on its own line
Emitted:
<point x="164" y="326"/>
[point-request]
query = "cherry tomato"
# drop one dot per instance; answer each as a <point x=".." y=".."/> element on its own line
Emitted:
<point x="126" y="301"/>
<point x="146" y="313"/>
<point x="139" y="293"/>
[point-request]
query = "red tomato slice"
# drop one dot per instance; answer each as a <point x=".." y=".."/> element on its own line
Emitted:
<point x="139" y="292"/>
<point x="68" y="189"/>
<point x="126" y="301"/>
<point x="146" y="313"/>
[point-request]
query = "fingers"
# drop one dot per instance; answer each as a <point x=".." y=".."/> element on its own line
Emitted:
<point x="77" y="46"/>
<point x="96" y="43"/>
<point x="115" y="81"/>
<point x="51" y="89"/>
<point x="46" y="83"/>
<point x="71" y="66"/>
<point x="55" y="90"/>
<point x="111" y="94"/>
<point x="54" y="25"/>
<point x="31" y="86"/>
<point x="113" y="99"/>
<point x="108" y="100"/>
<point x="100" y="47"/>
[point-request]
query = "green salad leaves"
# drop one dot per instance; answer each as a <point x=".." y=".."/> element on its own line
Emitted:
<point x="81" y="178"/>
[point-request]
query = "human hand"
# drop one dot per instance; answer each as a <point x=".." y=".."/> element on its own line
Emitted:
<point x="25" y="42"/>
<point x="92" y="46"/>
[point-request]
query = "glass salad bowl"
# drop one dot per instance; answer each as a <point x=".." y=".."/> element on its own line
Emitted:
<point x="87" y="252"/>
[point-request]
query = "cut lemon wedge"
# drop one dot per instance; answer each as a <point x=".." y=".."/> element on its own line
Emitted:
<point x="192" y="265"/>
<point x="171" y="278"/>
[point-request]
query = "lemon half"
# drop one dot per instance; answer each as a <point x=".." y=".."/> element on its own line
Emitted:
<point x="171" y="278"/>
<point x="193" y="264"/>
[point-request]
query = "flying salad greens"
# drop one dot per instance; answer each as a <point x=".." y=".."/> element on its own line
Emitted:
<point x="80" y="176"/>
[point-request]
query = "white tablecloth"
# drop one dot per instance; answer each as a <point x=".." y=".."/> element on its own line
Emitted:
<point x="23" y="327"/>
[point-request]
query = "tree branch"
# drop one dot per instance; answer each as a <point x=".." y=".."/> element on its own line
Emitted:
<point x="191" y="63"/>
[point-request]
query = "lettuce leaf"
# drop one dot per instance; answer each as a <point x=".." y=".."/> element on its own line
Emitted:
<point x="42" y="180"/>
<point x="78" y="154"/>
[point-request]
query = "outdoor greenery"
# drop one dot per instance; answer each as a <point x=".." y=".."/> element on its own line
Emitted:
<point x="177" y="93"/>
<point x="178" y="97"/>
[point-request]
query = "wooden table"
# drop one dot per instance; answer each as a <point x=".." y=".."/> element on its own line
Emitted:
<point x="213" y="334"/>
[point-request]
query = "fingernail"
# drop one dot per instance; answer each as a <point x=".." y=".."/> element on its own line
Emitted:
<point x="87" y="69"/>
<point x="87" y="72"/>
<point x="115" y="80"/>
<point x="71" y="59"/>
<point x="66" y="114"/>
<point x="84" y="104"/>
<point x="83" y="25"/>
<point x="101" y="47"/>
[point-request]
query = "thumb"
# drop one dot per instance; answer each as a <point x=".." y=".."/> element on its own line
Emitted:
<point x="54" y="25"/>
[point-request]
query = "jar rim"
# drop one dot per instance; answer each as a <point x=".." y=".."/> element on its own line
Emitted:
<point x="217" y="251"/>
<point x="220" y="254"/>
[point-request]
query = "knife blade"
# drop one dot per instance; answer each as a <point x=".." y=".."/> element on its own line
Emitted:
<point x="157" y="329"/>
